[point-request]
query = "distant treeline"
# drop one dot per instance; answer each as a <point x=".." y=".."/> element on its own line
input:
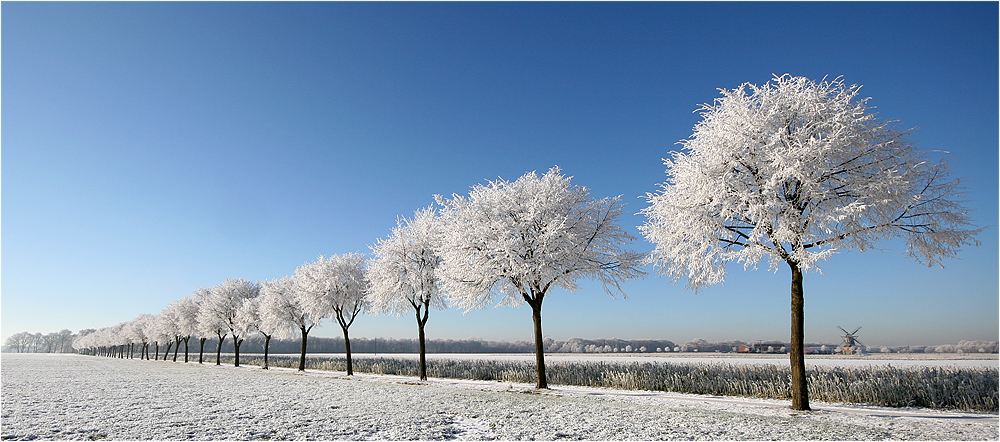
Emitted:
<point x="55" y="342"/>
<point x="61" y="342"/>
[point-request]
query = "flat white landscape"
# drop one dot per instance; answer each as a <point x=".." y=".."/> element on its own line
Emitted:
<point x="85" y="397"/>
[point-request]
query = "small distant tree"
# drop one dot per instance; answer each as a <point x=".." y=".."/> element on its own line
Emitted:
<point x="520" y="239"/>
<point x="35" y="342"/>
<point x="184" y="314"/>
<point x="17" y="341"/>
<point x="137" y="329"/>
<point x="224" y="304"/>
<point x="404" y="272"/>
<point x="336" y="286"/>
<point x="83" y="342"/>
<point x="64" y="341"/>
<point x="977" y="346"/>
<point x="164" y="332"/>
<point x="792" y="172"/>
<point x="285" y="310"/>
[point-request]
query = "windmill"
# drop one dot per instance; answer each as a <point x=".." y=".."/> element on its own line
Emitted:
<point x="850" y="340"/>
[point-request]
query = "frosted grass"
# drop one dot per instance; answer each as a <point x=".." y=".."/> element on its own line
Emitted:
<point x="960" y="388"/>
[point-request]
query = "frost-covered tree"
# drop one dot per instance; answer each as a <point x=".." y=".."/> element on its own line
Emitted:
<point x="284" y="310"/>
<point x="204" y="331"/>
<point x="222" y="308"/>
<point x="336" y="287"/>
<point x="248" y="317"/>
<point x="792" y="172"/>
<point x="150" y="327"/>
<point x="16" y="341"/>
<point x="212" y="318"/>
<point x="404" y="272"/>
<point x="520" y="239"/>
<point x="184" y="314"/>
<point x="137" y="329"/>
<point x="163" y="332"/>
<point x="83" y="341"/>
<point x="977" y="346"/>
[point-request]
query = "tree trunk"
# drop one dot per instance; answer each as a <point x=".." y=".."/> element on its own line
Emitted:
<point x="166" y="353"/>
<point x="177" y="347"/>
<point x="302" y="355"/>
<point x="236" y="349"/>
<point x="536" y="315"/>
<point x="156" y="356"/>
<point x="347" y="349"/>
<point x="201" y="349"/>
<point x="267" y="343"/>
<point x="423" y="354"/>
<point x="796" y="354"/>
<point x="186" y="349"/>
<point x="218" y="349"/>
<point x="423" y="346"/>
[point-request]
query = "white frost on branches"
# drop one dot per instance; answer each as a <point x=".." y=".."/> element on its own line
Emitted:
<point x="183" y="313"/>
<point x="403" y="272"/>
<point x="795" y="171"/>
<point x="210" y="322"/>
<point x="334" y="286"/>
<point x="223" y="305"/>
<point x="283" y="310"/>
<point x="519" y="239"/>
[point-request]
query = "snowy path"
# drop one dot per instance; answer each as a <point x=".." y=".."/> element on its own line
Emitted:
<point x="81" y="397"/>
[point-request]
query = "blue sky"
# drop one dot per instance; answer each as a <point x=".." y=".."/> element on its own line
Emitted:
<point x="153" y="148"/>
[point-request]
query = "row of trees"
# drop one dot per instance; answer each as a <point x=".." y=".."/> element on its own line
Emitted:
<point x="27" y="342"/>
<point x="286" y="307"/>
<point x="790" y="172"/>
<point x="515" y="239"/>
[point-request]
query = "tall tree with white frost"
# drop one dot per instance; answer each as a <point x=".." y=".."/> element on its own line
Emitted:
<point x="161" y="331"/>
<point x="336" y="287"/>
<point x="218" y="312"/>
<point x="248" y="318"/>
<point x="794" y="171"/>
<point x="284" y="310"/>
<point x="206" y="330"/>
<point x="184" y="314"/>
<point x="138" y="328"/>
<point x="223" y="306"/>
<point x="210" y="321"/>
<point x="403" y="273"/>
<point x="520" y="239"/>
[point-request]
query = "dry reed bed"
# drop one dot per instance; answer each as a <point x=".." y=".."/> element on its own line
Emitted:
<point x="962" y="388"/>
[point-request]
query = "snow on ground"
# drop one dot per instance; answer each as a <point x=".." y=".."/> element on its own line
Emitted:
<point x="84" y="397"/>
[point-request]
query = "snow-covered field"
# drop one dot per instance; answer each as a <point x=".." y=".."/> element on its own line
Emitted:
<point x="84" y="397"/>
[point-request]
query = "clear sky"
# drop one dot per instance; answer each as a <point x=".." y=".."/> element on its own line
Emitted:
<point x="149" y="149"/>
